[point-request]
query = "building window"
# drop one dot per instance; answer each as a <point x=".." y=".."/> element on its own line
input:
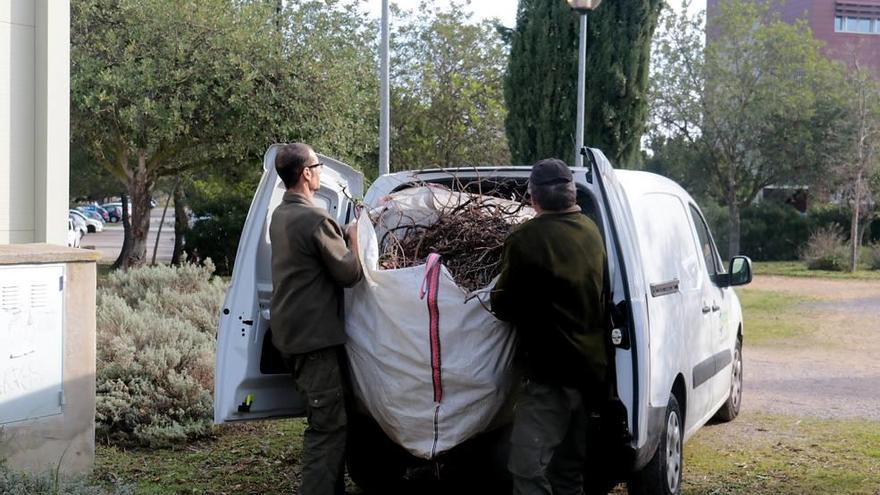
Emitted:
<point x="848" y="24"/>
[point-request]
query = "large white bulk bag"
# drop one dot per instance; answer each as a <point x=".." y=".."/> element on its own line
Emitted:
<point x="432" y="368"/>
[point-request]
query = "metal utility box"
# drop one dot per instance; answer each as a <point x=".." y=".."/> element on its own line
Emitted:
<point x="31" y="341"/>
<point x="47" y="357"/>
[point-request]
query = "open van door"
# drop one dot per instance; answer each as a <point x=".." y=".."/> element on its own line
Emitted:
<point x="250" y="378"/>
<point x="629" y="337"/>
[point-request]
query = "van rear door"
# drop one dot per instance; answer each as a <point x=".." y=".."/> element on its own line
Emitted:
<point x="627" y="286"/>
<point x="250" y="379"/>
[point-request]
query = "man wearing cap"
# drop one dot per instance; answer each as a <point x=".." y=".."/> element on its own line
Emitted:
<point x="310" y="266"/>
<point x="551" y="289"/>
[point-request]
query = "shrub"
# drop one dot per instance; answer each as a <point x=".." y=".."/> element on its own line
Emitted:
<point x="155" y="341"/>
<point x="769" y="231"/>
<point x="873" y="257"/>
<point x="826" y="250"/>
<point x="773" y="232"/>
<point x="51" y="483"/>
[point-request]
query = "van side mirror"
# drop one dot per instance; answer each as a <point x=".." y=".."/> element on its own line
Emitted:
<point x="740" y="272"/>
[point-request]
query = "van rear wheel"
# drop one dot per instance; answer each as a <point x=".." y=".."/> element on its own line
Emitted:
<point x="662" y="475"/>
<point x="730" y="410"/>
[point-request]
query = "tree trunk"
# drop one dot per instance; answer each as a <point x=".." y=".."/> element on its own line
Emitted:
<point x="733" y="227"/>
<point x="854" y="229"/>
<point x="140" y="187"/>
<point x="126" y="235"/>
<point x="162" y="221"/>
<point x="181" y="225"/>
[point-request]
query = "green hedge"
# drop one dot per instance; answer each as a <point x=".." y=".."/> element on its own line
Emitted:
<point x="776" y="232"/>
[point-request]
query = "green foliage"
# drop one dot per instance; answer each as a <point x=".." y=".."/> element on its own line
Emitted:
<point x="541" y="81"/>
<point x="826" y="250"/>
<point x="51" y="483"/>
<point x="447" y="103"/>
<point x="221" y="206"/>
<point x="760" y="101"/>
<point x="618" y="67"/>
<point x="161" y="86"/>
<point x="773" y="231"/>
<point x="874" y="256"/>
<point x="676" y="158"/>
<point x="156" y="330"/>
<point x="89" y="180"/>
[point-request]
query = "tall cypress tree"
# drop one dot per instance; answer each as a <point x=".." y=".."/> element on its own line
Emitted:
<point x="541" y="81"/>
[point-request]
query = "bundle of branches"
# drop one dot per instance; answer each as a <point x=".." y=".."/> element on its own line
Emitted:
<point x="467" y="230"/>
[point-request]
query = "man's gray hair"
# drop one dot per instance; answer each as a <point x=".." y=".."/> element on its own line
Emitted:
<point x="554" y="197"/>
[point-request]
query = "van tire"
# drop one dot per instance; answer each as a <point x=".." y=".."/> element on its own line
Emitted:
<point x="662" y="475"/>
<point x="730" y="410"/>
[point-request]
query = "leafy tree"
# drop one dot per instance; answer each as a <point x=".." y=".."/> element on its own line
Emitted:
<point x="447" y="103"/>
<point x="159" y="87"/>
<point x="758" y="102"/>
<point x="859" y="161"/>
<point x="219" y="206"/>
<point x="89" y="180"/>
<point x="618" y="69"/>
<point x="541" y="80"/>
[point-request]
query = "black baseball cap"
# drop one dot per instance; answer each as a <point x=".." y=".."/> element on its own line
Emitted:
<point x="550" y="171"/>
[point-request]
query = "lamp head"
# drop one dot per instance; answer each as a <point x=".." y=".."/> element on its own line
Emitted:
<point x="583" y="6"/>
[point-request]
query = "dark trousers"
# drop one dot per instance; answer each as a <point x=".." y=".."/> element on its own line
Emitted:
<point x="548" y="442"/>
<point x="321" y="377"/>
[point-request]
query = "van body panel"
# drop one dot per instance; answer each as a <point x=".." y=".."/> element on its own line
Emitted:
<point x="248" y="386"/>
<point x="692" y="328"/>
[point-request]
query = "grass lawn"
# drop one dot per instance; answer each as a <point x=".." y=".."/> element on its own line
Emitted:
<point x="799" y="269"/>
<point x="762" y="454"/>
<point x="756" y="454"/>
<point x="771" y="316"/>
<point x="256" y="458"/>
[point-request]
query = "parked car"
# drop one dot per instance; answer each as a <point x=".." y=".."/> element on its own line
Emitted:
<point x="92" y="224"/>
<point x="100" y="212"/>
<point x="674" y="338"/>
<point x="114" y="211"/>
<point x="75" y="233"/>
<point x="79" y="222"/>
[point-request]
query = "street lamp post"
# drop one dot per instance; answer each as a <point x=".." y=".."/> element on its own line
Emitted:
<point x="384" y="96"/>
<point x="583" y="8"/>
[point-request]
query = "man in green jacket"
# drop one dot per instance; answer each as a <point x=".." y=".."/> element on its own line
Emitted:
<point x="311" y="264"/>
<point x="551" y="289"/>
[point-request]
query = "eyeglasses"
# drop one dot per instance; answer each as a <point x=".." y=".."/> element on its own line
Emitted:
<point x="319" y="164"/>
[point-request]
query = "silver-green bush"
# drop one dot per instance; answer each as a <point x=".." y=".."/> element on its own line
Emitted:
<point x="826" y="250"/>
<point x="156" y="334"/>
<point x="52" y="483"/>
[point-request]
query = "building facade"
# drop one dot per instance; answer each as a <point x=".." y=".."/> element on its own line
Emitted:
<point x="34" y="120"/>
<point x="850" y="29"/>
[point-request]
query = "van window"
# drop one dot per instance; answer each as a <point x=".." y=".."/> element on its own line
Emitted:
<point x="666" y="241"/>
<point x="707" y="246"/>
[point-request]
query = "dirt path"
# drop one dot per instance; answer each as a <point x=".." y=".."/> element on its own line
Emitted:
<point x="834" y="371"/>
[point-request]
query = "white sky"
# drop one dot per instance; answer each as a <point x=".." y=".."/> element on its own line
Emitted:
<point x="505" y="10"/>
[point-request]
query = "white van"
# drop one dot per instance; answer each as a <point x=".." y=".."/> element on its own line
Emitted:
<point x="675" y="333"/>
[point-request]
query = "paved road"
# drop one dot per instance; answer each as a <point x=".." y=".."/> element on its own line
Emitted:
<point x="109" y="242"/>
<point x="832" y="370"/>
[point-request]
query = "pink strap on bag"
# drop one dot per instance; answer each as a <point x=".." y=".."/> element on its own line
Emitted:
<point x="430" y="287"/>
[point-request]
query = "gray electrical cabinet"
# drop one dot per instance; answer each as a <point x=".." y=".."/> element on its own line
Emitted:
<point x="31" y="342"/>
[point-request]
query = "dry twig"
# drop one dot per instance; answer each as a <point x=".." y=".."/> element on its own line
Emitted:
<point x="468" y="234"/>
